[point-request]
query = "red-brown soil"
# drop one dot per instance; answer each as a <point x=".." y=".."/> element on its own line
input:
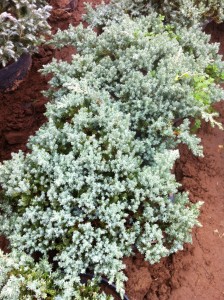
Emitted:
<point x="197" y="272"/>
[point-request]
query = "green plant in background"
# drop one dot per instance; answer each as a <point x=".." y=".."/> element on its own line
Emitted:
<point x="201" y="86"/>
<point x="201" y="89"/>
<point x="214" y="71"/>
<point x="23" y="24"/>
<point x="156" y="73"/>
<point x="184" y="12"/>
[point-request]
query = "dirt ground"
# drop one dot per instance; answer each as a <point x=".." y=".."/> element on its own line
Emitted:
<point x="197" y="272"/>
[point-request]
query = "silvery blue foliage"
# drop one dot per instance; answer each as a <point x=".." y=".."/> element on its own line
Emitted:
<point x="157" y="74"/>
<point x="97" y="181"/>
<point x="185" y="12"/>
<point x="84" y="192"/>
<point x="23" y="24"/>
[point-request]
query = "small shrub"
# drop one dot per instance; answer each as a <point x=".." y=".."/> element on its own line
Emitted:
<point x="22" y="27"/>
<point x="84" y="192"/>
<point x="97" y="181"/>
<point x="155" y="72"/>
<point x="184" y="12"/>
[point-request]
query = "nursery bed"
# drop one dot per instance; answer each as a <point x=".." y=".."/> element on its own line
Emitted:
<point x="195" y="273"/>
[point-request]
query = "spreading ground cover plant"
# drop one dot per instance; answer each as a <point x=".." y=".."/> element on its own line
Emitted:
<point x="97" y="181"/>
<point x="23" y="24"/>
<point x="84" y="192"/>
<point x="157" y="74"/>
<point x="185" y="12"/>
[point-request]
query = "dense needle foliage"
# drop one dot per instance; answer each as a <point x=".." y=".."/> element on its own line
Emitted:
<point x="97" y="182"/>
